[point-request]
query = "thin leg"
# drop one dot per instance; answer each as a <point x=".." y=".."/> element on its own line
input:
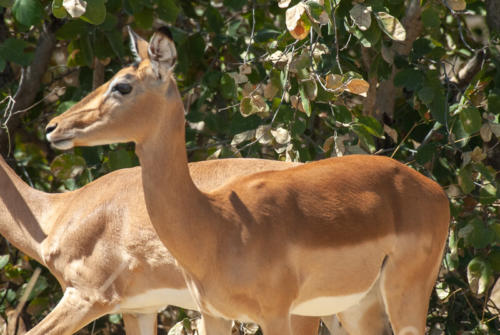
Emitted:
<point x="210" y="325"/>
<point x="278" y="326"/>
<point x="304" y="325"/>
<point x="333" y="325"/>
<point x="140" y="324"/>
<point x="73" y="312"/>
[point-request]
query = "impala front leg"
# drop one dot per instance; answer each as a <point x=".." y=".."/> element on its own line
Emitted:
<point x="73" y="312"/>
<point x="211" y="325"/>
<point x="140" y="324"/>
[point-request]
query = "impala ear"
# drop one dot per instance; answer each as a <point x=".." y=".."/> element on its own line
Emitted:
<point x="138" y="45"/>
<point x="162" y="53"/>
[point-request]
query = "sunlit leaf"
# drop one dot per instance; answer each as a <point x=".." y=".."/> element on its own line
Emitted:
<point x="75" y="8"/>
<point x="4" y="259"/>
<point x="457" y="5"/>
<point x="391" y="26"/>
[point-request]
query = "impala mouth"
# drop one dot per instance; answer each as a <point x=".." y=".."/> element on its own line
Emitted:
<point x="61" y="143"/>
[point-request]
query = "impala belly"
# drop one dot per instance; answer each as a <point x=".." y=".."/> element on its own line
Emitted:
<point x="322" y="306"/>
<point x="154" y="300"/>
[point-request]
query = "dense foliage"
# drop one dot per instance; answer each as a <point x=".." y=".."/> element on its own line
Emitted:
<point x="414" y="80"/>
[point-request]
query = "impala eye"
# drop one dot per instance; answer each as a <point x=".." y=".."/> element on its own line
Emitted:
<point x="123" y="88"/>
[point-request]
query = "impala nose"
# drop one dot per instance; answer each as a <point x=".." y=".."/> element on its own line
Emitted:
<point x="50" y="128"/>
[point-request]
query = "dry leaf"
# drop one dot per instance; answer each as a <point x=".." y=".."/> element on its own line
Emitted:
<point x="478" y="155"/>
<point x="361" y="16"/>
<point x="270" y="90"/>
<point x="485" y="132"/>
<point x="357" y="86"/>
<point x="263" y="134"/>
<point x="297" y="21"/>
<point x="75" y="8"/>
<point x="334" y="82"/>
<point x="242" y="137"/>
<point x="457" y="5"/>
<point x="245" y="69"/>
<point x="284" y="3"/>
<point x="281" y="135"/>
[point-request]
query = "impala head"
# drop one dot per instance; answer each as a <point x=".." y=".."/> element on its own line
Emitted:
<point x="119" y="110"/>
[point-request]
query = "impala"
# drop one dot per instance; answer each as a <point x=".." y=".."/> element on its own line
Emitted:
<point x="99" y="243"/>
<point x="361" y="236"/>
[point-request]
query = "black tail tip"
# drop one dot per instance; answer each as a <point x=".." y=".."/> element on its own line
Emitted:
<point x="166" y="31"/>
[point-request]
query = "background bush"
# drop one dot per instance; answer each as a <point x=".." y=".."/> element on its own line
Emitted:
<point x="289" y="80"/>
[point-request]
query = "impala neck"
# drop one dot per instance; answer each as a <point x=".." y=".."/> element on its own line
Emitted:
<point x="22" y="212"/>
<point x="178" y="210"/>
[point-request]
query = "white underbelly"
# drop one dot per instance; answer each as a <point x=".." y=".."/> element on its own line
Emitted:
<point x="322" y="306"/>
<point x="153" y="301"/>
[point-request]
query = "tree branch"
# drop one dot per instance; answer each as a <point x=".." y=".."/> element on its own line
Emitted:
<point x="31" y="78"/>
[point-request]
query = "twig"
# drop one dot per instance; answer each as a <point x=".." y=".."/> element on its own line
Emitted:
<point x="460" y="28"/>
<point x="252" y="33"/>
<point x="26" y="294"/>
<point x="337" y="49"/>
<point x="415" y="125"/>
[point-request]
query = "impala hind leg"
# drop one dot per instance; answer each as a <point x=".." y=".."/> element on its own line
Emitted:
<point x="140" y="324"/>
<point x="74" y="311"/>
<point x="278" y="326"/>
<point x="406" y="293"/>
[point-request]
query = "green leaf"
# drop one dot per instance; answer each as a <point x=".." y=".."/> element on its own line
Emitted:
<point x="488" y="194"/>
<point x="371" y="125"/>
<point x="425" y="153"/>
<point x="214" y="20"/>
<point x="120" y="159"/>
<point x="67" y="165"/>
<point x="315" y="9"/>
<point x="144" y="19"/>
<point x="426" y="94"/>
<point x="471" y="119"/>
<point x="86" y="50"/>
<point x="6" y="3"/>
<point x="168" y="10"/>
<point x="2" y="64"/>
<point x="12" y="50"/>
<point x="64" y="106"/>
<point x="228" y="87"/>
<point x="479" y="275"/>
<point x="494" y="259"/>
<point x="493" y="103"/>
<point x="4" y="260"/>
<point x="40" y="285"/>
<point x="27" y="12"/>
<point x="305" y="101"/>
<point x="465" y="179"/>
<point x="361" y="16"/>
<point x="391" y="26"/>
<point x="430" y="18"/>
<point x="115" y="39"/>
<point x="72" y="29"/>
<point x="95" y="12"/>
<point x="115" y="318"/>
<point x="409" y="78"/>
<point x="58" y="10"/>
